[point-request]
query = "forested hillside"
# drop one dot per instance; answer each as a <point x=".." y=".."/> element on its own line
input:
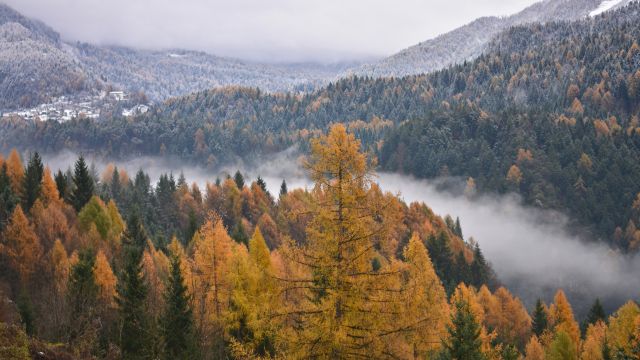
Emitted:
<point x="471" y="40"/>
<point x="249" y="276"/>
<point x="550" y="111"/>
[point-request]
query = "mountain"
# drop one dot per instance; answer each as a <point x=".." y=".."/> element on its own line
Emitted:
<point x="549" y="111"/>
<point x="36" y="65"/>
<point x="164" y="74"/>
<point x="469" y="41"/>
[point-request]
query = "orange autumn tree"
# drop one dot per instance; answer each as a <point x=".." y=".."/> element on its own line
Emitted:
<point x="20" y="246"/>
<point x="212" y="247"/>
<point x="562" y="318"/>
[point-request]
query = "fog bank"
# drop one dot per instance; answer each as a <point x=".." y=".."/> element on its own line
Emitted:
<point x="531" y="250"/>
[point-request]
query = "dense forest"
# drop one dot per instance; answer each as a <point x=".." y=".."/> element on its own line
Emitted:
<point x="549" y="111"/>
<point x="343" y="270"/>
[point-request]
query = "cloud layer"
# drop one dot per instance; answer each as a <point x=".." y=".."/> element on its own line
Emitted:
<point x="275" y="30"/>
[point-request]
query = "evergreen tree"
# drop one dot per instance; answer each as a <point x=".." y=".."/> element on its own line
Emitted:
<point x="82" y="293"/>
<point x="442" y="257"/>
<point x="239" y="180"/>
<point x="539" y="321"/>
<point x="115" y="188"/>
<point x="177" y="319"/>
<point x="262" y="184"/>
<point x="82" y="185"/>
<point x="458" y="228"/>
<point x="596" y="313"/>
<point x="283" y="188"/>
<point x="62" y="184"/>
<point x="240" y="234"/>
<point x="480" y="270"/>
<point x="8" y="199"/>
<point x="132" y="290"/>
<point x="464" y="341"/>
<point x="32" y="181"/>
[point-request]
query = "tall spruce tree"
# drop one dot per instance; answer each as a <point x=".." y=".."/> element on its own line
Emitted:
<point x="283" y="188"/>
<point x="464" y="341"/>
<point x="539" y="321"/>
<point x="82" y="185"/>
<point x="177" y="319"/>
<point x="62" y="184"/>
<point x="8" y="199"/>
<point x="82" y="293"/>
<point x="596" y="313"/>
<point x="239" y="180"/>
<point x="132" y="290"/>
<point x="32" y="181"/>
<point x="480" y="270"/>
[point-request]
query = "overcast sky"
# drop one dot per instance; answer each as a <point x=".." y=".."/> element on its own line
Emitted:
<point x="265" y="30"/>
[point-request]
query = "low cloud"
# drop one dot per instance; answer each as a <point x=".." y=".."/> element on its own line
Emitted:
<point x="275" y="30"/>
<point x="531" y="250"/>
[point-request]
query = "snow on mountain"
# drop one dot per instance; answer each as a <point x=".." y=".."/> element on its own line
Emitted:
<point x="604" y="6"/>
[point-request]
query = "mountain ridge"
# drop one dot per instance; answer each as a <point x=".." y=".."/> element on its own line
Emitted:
<point x="470" y="40"/>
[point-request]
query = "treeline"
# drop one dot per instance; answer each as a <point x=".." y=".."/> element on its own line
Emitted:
<point x="343" y="271"/>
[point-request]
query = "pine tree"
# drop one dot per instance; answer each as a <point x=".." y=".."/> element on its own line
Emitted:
<point x="239" y="179"/>
<point x="83" y="185"/>
<point x="596" y="313"/>
<point x="262" y="184"/>
<point x="8" y="199"/>
<point x="32" y="181"/>
<point x="62" y="184"/>
<point x="464" y="341"/>
<point x="539" y="321"/>
<point x="283" y="188"/>
<point x="480" y="270"/>
<point x="82" y="293"/>
<point x="135" y="339"/>
<point x="177" y="320"/>
<point x="458" y="228"/>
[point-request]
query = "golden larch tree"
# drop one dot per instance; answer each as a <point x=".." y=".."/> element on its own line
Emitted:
<point x="105" y="279"/>
<point x="212" y="248"/>
<point x="21" y="246"/>
<point x="425" y="301"/>
<point x="15" y="171"/>
<point x="622" y="326"/>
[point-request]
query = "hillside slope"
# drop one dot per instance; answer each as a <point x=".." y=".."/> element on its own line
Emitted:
<point x="36" y="65"/>
<point x="469" y="41"/>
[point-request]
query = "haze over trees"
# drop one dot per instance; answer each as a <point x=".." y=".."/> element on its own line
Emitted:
<point x="343" y="270"/>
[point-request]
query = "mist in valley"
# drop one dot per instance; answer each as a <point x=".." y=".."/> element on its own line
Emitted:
<point x="532" y="251"/>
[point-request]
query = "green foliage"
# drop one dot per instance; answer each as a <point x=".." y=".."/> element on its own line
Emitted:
<point x="562" y="348"/>
<point x="82" y="185"/>
<point x="32" y="181"/>
<point x="464" y="341"/>
<point x="539" y="319"/>
<point x="596" y="313"/>
<point x="177" y="320"/>
<point x="132" y="291"/>
<point x="239" y="179"/>
<point x="8" y="199"/>
<point x="95" y="213"/>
